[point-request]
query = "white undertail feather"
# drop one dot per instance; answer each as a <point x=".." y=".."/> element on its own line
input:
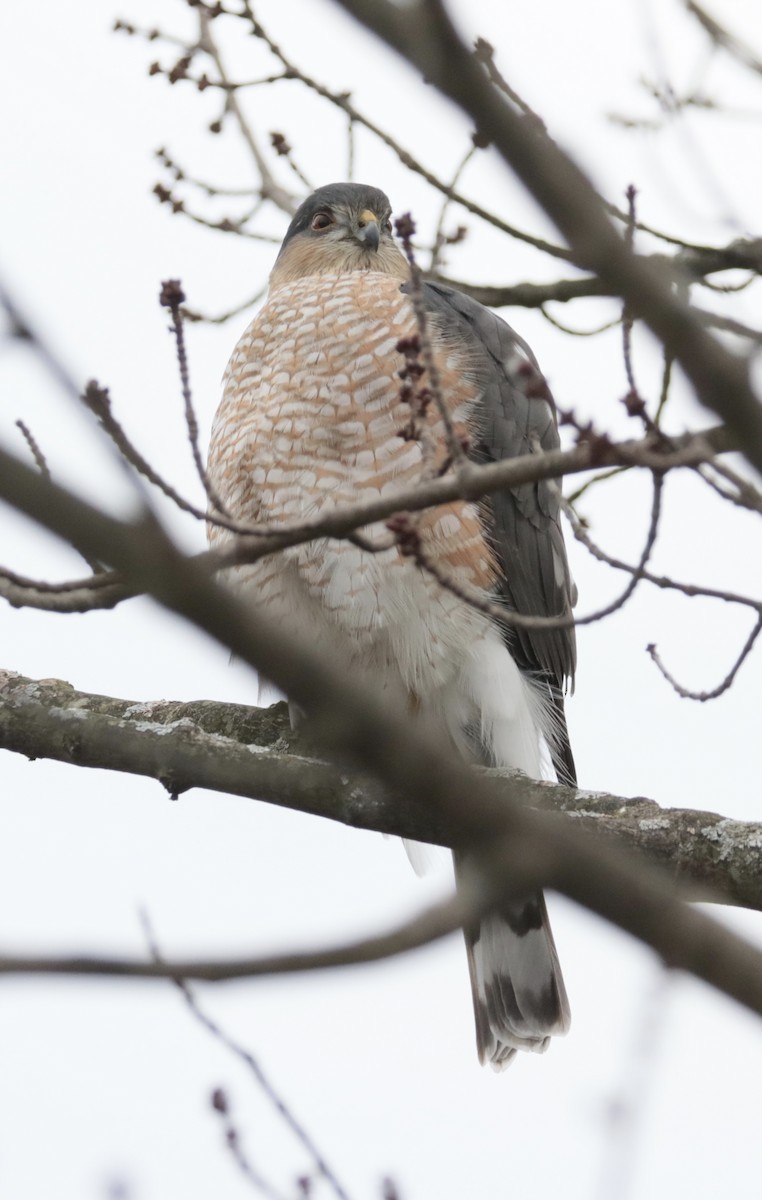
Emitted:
<point x="495" y="715"/>
<point x="519" y="995"/>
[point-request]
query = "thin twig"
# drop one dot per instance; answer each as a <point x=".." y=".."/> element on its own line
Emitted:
<point x="726" y="682"/>
<point x="23" y="329"/>
<point x="599" y="477"/>
<point x="485" y="54"/>
<point x="269" y="188"/>
<point x="220" y="225"/>
<point x="666" y="382"/>
<point x="211" y="189"/>
<point x="410" y="543"/>
<point x="633" y="398"/>
<point x="34" y="448"/>
<point x="728" y="289"/>
<point x="172" y="297"/>
<point x="604" y="328"/>
<point x="192" y="314"/>
<point x="221" y="1105"/>
<point x="98" y="400"/>
<point x="283" y="149"/>
<point x="12" y="591"/>
<point x="723" y="38"/>
<point x="405" y="228"/>
<point x="727" y="324"/>
<point x="253" y="1064"/>
<point x="744" y="494"/>
<point x="664" y="582"/>
<point x="440" y="239"/>
<point x="341" y="101"/>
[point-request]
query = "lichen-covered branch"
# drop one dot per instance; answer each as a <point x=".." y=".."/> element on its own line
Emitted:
<point x="252" y="752"/>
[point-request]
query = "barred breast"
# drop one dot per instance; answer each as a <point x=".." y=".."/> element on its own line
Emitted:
<point x="310" y="419"/>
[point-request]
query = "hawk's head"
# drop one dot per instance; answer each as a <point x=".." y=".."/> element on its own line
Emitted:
<point x="340" y="227"/>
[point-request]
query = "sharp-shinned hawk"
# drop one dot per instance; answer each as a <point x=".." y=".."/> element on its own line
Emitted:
<point x="312" y="418"/>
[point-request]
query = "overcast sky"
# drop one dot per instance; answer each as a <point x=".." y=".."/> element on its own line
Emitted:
<point x="103" y="1083"/>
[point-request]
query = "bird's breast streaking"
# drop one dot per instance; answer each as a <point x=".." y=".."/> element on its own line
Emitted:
<point x="311" y="418"/>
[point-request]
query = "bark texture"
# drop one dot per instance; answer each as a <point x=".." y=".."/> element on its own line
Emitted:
<point x="252" y="752"/>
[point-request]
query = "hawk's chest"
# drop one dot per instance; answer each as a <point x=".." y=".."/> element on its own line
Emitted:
<point x="311" y="419"/>
<point x="311" y="407"/>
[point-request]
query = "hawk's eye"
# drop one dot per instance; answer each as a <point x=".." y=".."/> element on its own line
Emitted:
<point x="387" y="226"/>
<point x="322" y="220"/>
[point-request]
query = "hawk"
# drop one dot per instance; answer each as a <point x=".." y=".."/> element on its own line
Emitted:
<point x="313" y="417"/>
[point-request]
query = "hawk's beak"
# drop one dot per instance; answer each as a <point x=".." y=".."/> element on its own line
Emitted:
<point x="368" y="230"/>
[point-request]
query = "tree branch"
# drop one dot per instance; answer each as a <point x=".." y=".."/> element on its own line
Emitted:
<point x="252" y="752"/>
<point x="471" y="483"/>
<point x="433" y="923"/>
<point x="515" y="849"/>
<point x="423" y="34"/>
<point x="687" y="265"/>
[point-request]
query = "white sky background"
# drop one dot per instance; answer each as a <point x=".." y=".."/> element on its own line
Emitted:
<point x="103" y="1081"/>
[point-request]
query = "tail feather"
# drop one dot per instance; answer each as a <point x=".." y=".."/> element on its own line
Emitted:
<point x="502" y="716"/>
<point x="518" y="991"/>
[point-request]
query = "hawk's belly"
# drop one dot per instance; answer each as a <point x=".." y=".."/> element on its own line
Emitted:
<point x="310" y="420"/>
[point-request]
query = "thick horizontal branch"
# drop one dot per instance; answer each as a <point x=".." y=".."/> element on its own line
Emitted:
<point x="252" y="752"/>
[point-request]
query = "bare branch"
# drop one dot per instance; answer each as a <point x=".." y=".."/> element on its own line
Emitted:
<point x="693" y="264"/>
<point x="583" y="333"/>
<point x="341" y="100"/>
<point x="253" y="752"/>
<point x="440" y="238"/>
<point x="269" y="188"/>
<point x="23" y="329"/>
<point x="255" y="1068"/>
<point x="74" y="596"/>
<point x="411" y="545"/>
<point x="423" y="34"/>
<point x="742" y="492"/>
<point x="97" y="399"/>
<point x="34" y="449"/>
<point x="722" y="37"/>
<point x="515" y="849"/>
<point x="665" y="582"/>
<point x="173" y="297"/>
<point x="233" y="1140"/>
<point x="232" y="225"/>
<point x="434" y="923"/>
<point x="457" y="456"/>
<point x="726" y="682"/>
<point x="528" y="295"/>
<point x="193" y="314"/>
<point x="472" y="482"/>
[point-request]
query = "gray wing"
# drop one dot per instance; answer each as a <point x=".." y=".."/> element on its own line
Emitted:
<point x="514" y="415"/>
